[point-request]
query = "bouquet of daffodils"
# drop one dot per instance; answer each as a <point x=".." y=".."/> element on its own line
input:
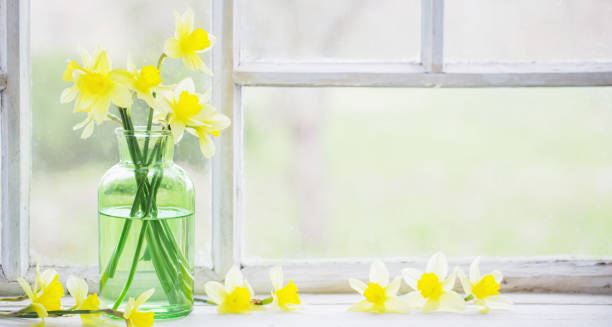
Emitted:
<point x="97" y="88"/>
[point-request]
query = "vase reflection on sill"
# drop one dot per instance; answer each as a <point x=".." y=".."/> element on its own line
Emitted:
<point x="146" y="226"/>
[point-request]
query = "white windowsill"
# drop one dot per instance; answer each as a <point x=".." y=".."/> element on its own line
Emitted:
<point x="331" y="310"/>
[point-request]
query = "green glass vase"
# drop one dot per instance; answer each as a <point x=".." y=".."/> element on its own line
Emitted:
<point x="146" y="226"/>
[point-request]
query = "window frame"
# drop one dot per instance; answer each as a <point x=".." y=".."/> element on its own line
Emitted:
<point x="561" y="273"/>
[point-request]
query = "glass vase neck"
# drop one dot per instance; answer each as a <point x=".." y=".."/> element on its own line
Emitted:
<point x="143" y="148"/>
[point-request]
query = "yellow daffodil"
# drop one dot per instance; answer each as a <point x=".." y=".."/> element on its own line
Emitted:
<point x="433" y="289"/>
<point x="46" y="294"/>
<point x="95" y="87"/>
<point x="188" y="43"/>
<point x="133" y="317"/>
<point x="78" y="289"/>
<point x="484" y="290"/>
<point x="144" y="82"/>
<point x="184" y="108"/>
<point x="284" y="298"/>
<point x="214" y="123"/>
<point x="234" y="296"/>
<point x="380" y="295"/>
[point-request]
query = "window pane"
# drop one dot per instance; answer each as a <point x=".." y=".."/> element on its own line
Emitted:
<point x="66" y="169"/>
<point x="321" y="30"/>
<point x="334" y="172"/>
<point x="527" y="30"/>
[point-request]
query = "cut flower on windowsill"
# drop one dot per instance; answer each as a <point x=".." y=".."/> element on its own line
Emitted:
<point x="46" y="294"/>
<point x="78" y="289"/>
<point x="284" y="298"/>
<point x="484" y="290"/>
<point x="380" y="295"/>
<point x="433" y="289"/>
<point x="135" y="318"/>
<point x="233" y="297"/>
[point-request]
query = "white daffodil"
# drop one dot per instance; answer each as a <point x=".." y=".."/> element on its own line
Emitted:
<point x="433" y="289"/>
<point x="380" y="295"/>
<point x="484" y="289"/>
<point x="234" y="296"/>
<point x="284" y="298"/>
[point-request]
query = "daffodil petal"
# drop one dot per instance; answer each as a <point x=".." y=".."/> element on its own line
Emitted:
<point x="397" y="305"/>
<point x="431" y="306"/>
<point x="357" y="285"/>
<point x="233" y="279"/>
<point x="77" y="288"/>
<point x="47" y="276"/>
<point x="186" y="84"/>
<point x="498" y="302"/>
<point x="88" y="130"/>
<point x="193" y="62"/>
<point x="379" y="273"/>
<point x="393" y="287"/>
<point x="465" y="282"/>
<point x="121" y="97"/>
<point x="475" y="271"/>
<point x="84" y="102"/>
<point x="276" y="277"/>
<point x="499" y="277"/>
<point x="25" y="286"/>
<point x="101" y="63"/>
<point x="451" y="301"/>
<point x="362" y="306"/>
<point x="207" y="145"/>
<point x="172" y="48"/>
<point x="122" y="77"/>
<point x="69" y="94"/>
<point x="142" y="298"/>
<point x="178" y="129"/>
<point x="184" y="23"/>
<point x="438" y="265"/>
<point x="86" y="58"/>
<point x="40" y="310"/>
<point x="449" y="283"/>
<point x="411" y="277"/>
<point x="414" y="299"/>
<point x="249" y="287"/>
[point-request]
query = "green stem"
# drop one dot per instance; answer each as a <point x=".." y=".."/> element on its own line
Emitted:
<point x="60" y="313"/>
<point x="128" y="282"/>
<point x="265" y="301"/>
<point x="197" y="299"/>
<point x="14" y="299"/>
<point x="160" y="61"/>
<point x="469" y="297"/>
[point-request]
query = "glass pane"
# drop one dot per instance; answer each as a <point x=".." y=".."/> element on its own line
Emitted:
<point x="360" y="172"/>
<point x="66" y="169"/>
<point x="321" y="30"/>
<point x="527" y="30"/>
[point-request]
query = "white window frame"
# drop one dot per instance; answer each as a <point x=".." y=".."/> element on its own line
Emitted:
<point x="231" y="74"/>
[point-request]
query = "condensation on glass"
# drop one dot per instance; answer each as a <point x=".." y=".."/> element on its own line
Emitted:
<point x="323" y="31"/>
<point x="63" y="222"/>
<point x="528" y="31"/>
<point x="360" y="172"/>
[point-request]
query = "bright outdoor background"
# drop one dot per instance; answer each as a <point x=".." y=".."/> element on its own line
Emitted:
<point x="356" y="172"/>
